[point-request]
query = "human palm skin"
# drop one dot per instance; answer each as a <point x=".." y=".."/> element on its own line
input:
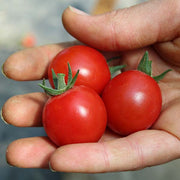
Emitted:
<point x="128" y="34"/>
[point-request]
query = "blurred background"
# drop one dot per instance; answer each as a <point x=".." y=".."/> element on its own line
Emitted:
<point x="25" y="23"/>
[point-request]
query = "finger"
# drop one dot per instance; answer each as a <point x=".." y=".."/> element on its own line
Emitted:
<point x="139" y="150"/>
<point x="32" y="63"/>
<point x="30" y="152"/>
<point x="35" y="152"/>
<point x="125" y="29"/>
<point x="170" y="51"/>
<point x="169" y="118"/>
<point x="109" y="136"/>
<point x="24" y="110"/>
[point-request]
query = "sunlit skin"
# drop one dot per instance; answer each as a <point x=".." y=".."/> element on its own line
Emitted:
<point x="152" y="26"/>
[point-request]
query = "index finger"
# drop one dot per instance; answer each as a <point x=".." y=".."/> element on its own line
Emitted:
<point x="32" y="63"/>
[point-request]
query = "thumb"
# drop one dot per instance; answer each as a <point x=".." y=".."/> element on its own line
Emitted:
<point x="124" y="29"/>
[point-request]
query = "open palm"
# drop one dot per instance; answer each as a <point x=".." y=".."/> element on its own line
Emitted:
<point x="150" y="147"/>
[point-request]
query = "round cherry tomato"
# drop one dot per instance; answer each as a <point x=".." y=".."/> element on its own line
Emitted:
<point x="133" y="101"/>
<point x="94" y="70"/>
<point x="76" y="116"/>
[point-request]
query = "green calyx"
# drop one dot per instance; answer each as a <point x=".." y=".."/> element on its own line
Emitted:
<point x="59" y="82"/>
<point x="145" y="66"/>
<point x="114" y="69"/>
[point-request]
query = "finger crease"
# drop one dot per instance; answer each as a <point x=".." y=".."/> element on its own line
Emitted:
<point x="105" y="156"/>
<point x="138" y="153"/>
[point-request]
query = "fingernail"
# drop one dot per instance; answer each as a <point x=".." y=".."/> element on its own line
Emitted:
<point x="51" y="168"/>
<point x="3" y="118"/>
<point x="77" y="11"/>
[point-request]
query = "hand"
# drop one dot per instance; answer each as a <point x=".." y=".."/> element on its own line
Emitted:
<point x="152" y="26"/>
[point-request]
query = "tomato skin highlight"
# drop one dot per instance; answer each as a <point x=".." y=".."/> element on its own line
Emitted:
<point x="76" y="116"/>
<point x="94" y="70"/>
<point x="133" y="101"/>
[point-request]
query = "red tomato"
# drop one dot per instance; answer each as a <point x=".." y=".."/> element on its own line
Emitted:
<point x="133" y="101"/>
<point x="76" y="116"/>
<point x="94" y="71"/>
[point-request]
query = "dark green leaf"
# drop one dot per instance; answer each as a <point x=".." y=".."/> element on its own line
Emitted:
<point x="145" y="64"/>
<point x="69" y="74"/>
<point x="161" y="76"/>
<point x="114" y="69"/>
<point x="55" y="79"/>
<point x="51" y="91"/>
<point x="72" y="82"/>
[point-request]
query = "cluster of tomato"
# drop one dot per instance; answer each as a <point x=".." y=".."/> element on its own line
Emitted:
<point x="85" y="99"/>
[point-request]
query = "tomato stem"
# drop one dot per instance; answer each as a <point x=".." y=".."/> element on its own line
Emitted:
<point x="145" y="66"/>
<point x="161" y="76"/>
<point x="114" y="69"/>
<point x="59" y="82"/>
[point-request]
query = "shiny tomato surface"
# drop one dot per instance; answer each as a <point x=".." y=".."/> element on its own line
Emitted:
<point x="76" y="116"/>
<point x="133" y="102"/>
<point x="94" y="71"/>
